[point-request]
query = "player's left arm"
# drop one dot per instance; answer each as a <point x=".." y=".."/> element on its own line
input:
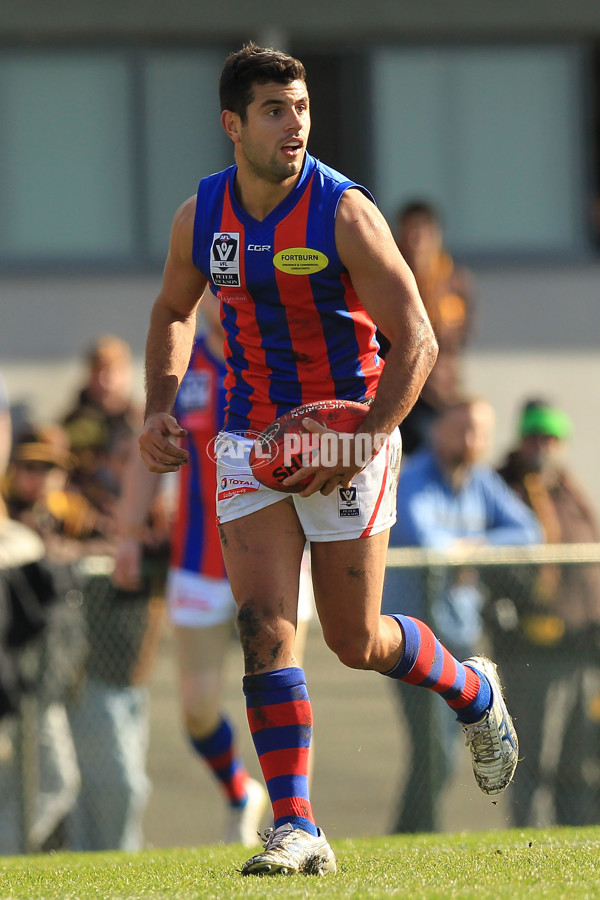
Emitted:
<point x="388" y="291"/>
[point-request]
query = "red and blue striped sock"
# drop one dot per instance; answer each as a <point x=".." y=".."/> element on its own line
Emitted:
<point x="425" y="662"/>
<point x="219" y="752"/>
<point x="280" y="719"/>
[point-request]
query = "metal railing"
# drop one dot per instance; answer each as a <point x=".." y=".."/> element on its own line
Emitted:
<point x="539" y="614"/>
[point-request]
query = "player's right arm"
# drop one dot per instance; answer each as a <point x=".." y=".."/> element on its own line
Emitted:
<point x="169" y="344"/>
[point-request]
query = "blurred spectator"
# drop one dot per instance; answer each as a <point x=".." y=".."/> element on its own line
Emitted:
<point x="103" y="414"/>
<point x="447" y="292"/>
<point x="46" y="642"/>
<point x="552" y="637"/>
<point x="448" y="499"/>
<point x="110" y="716"/>
<point x="37" y="494"/>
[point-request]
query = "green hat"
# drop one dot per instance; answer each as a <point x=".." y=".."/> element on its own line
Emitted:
<point x="545" y="420"/>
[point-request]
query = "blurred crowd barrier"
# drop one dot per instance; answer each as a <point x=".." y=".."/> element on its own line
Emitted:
<point x="535" y="611"/>
<point x="53" y="747"/>
<point x="74" y="725"/>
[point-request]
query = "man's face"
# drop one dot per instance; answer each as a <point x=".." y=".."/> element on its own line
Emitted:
<point x="32" y="481"/>
<point x="109" y="384"/>
<point x="463" y="435"/>
<point x="272" y="141"/>
<point x="541" y="451"/>
<point x="418" y="236"/>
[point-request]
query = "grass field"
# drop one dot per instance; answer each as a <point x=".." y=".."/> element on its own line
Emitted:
<point x="557" y="863"/>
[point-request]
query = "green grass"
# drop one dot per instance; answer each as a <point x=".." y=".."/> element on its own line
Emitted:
<point x="556" y="863"/>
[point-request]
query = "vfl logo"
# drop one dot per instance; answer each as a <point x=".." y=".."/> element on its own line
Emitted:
<point x="225" y="259"/>
<point x="348" y="505"/>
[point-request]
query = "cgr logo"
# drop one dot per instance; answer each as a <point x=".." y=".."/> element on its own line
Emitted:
<point x="259" y="247"/>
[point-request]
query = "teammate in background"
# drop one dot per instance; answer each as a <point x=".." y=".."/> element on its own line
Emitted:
<point x="297" y="334"/>
<point x="447" y="292"/>
<point x="200" y="601"/>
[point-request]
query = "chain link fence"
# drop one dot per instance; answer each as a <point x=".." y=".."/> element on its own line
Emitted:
<point x="74" y="728"/>
<point x="74" y="733"/>
<point x="536" y="612"/>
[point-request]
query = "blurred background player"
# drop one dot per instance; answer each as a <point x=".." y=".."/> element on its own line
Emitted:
<point x="201" y="605"/>
<point x="447" y="293"/>
<point x="554" y="636"/>
<point x="448" y="498"/>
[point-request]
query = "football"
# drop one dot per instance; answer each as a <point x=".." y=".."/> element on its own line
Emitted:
<point x="278" y="452"/>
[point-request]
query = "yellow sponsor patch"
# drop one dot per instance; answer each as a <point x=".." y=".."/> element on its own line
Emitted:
<point x="300" y="261"/>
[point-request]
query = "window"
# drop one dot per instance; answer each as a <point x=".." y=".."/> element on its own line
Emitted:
<point x="182" y="138"/>
<point x="492" y="137"/>
<point x="98" y="150"/>
<point x="66" y="187"/>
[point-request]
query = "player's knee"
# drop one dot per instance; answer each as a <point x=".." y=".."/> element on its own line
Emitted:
<point x="200" y="723"/>
<point x="351" y="650"/>
<point x="259" y="631"/>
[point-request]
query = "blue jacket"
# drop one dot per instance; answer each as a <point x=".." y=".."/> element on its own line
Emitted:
<point x="432" y="514"/>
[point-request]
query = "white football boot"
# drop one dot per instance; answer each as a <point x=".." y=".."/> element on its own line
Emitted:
<point x="289" y="851"/>
<point x="493" y="740"/>
<point x="243" y="824"/>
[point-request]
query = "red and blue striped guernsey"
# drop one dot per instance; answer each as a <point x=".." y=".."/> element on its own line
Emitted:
<point x="295" y="329"/>
<point x="199" y="408"/>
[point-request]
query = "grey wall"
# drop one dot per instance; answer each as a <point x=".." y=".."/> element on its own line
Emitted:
<point x="539" y="309"/>
<point x="335" y="20"/>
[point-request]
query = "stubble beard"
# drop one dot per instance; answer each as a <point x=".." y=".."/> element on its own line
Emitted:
<point x="273" y="171"/>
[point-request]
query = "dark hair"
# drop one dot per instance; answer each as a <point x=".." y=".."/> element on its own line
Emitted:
<point x="254" y="65"/>
<point x="418" y="208"/>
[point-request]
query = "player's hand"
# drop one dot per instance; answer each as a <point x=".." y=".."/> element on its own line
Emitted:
<point x="332" y="470"/>
<point x="158" y="450"/>
<point x="127" y="573"/>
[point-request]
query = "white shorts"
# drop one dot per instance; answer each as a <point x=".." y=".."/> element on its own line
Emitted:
<point x="196" y="601"/>
<point x="366" y="508"/>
